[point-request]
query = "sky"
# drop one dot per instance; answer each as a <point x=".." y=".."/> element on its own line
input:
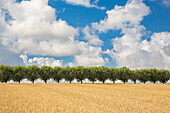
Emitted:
<point x="113" y="33"/>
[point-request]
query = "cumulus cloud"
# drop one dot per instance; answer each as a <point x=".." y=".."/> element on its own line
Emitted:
<point x="85" y="3"/>
<point x="130" y="49"/>
<point x="32" y="29"/>
<point x="166" y="3"/>
<point x="41" y="61"/>
<point x="90" y="56"/>
<point x="91" y="37"/>
<point x="123" y="16"/>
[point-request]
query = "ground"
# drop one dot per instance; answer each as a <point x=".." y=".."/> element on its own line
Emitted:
<point x="84" y="98"/>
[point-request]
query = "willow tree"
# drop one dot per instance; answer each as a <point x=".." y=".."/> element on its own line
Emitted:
<point x="19" y="73"/>
<point x="6" y="72"/>
<point x="113" y="73"/>
<point x="154" y="75"/>
<point x="92" y="74"/>
<point x="69" y="73"/>
<point x="164" y="75"/>
<point x="134" y="75"/>
<point x="33" y="73"/>
<point x="57" y="73"/>
<point x="81" y="73"/>
<point x="102" y="74"/>
<point x="144" y="75"/>
<point x="123" y="74"/>
<point x="46" y="73"/>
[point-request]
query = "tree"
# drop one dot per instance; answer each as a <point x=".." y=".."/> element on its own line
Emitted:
<point x="46" y="73"/>
<point x="154" y="75"/>
<point x="102" y="74"/>
<point x="33" y="73"/>
<point x="57" y="73"/>
<point x="123" y="74"/>
<point x="164" y="75"/>
<point x="6" y="72"/>
<point x="69" y="73"/>
<point x="19" y="73"/>
<point x="92" y="74"/>
<point x="112" y="74"/>
<point x="144" y="75"/>
<point x="134" y="75"/>
<point x="81" y="73"/>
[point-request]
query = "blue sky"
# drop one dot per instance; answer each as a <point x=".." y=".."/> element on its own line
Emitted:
<point x="132" y="33"/>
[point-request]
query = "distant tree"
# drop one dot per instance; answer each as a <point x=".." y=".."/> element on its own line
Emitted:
<point x="134" y="75"/>
<point x="123" y="74"/>
<point x="19" y="73"/>
<point x="92" y="74"/>
<point x="46" y="73"/>
<point x="33" y="73"/>
<point x="6" y="72"/>
<point x="58" y="73"/>
<point x="144" y="75"/>
<point x="112" y="74"/>
<point x="69" y="73"/>
<point x="102" y="74"/>
<point x="81" y="73"/>
<point x="154" y="75"/>
<point x="164" y="75"/>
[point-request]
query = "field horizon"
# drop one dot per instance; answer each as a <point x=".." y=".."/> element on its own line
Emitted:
<point x="86" y="98"/>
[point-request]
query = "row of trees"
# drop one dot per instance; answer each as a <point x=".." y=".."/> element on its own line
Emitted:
<point x="80" y="73"/>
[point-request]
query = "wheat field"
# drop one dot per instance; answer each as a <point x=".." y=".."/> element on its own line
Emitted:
<point x="84" y="98"/>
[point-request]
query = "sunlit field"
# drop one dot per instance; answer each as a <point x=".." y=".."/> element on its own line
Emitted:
<point x="84" y="98"/>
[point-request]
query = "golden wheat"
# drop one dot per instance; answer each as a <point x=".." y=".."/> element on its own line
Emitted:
<point x="84" y="98"/>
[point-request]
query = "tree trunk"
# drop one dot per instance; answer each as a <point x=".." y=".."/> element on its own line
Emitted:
<point x="81" y="81"/>
<point x="70" y="81"/>
<point x="124" y="82"/>
<point x="45" y="81"/>
<point x="5" y="81"/>
<point x="103" y="81"/>
<point x="134" y="81"/>
<point x="19" y="81"/>
<point x="144" y="82"/>
<point x="58" y="81"/>
<point x="33" y="81"/>
<point x="93" y="82"/>
<point x="113" y="81"/>
<point x="154" y="82"/>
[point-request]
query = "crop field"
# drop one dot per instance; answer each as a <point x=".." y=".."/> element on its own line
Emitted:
<point x="84" y="98"/>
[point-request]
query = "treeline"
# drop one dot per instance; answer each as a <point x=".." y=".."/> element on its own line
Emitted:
<point x="80" y="73"/>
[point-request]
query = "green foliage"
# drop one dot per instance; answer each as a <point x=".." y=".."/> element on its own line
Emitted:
<point x="33" y="73"/>
<point x="81" y="73"/>
<point x="102" y="73"/>
<point x="45" y="73"/>
<point x="19" y="73"/>
<point x="144" y="75"/>
<point x="6" y="72"/>
<point x="92" y="74"/>
<point x="123" y="74"/>
<point x="154" y="75"/>
<point x="57" y="73"/>
<point x="69" y="73"/>
<point x="134" y="75"/>
<point x="164" y="75"/>
<point x="113" y="74"/>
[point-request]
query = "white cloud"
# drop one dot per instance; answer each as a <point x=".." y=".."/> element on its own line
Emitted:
<point x="41" y="61"/>
<point x="166" y="3"/>
<point x="123" y="16"/>
<point x="85" y="3"/>
<point x="91" y="37"/>
<point x="33" y="30"/>
<point x="129" y="49"/>
<point x="90" y="56"/>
